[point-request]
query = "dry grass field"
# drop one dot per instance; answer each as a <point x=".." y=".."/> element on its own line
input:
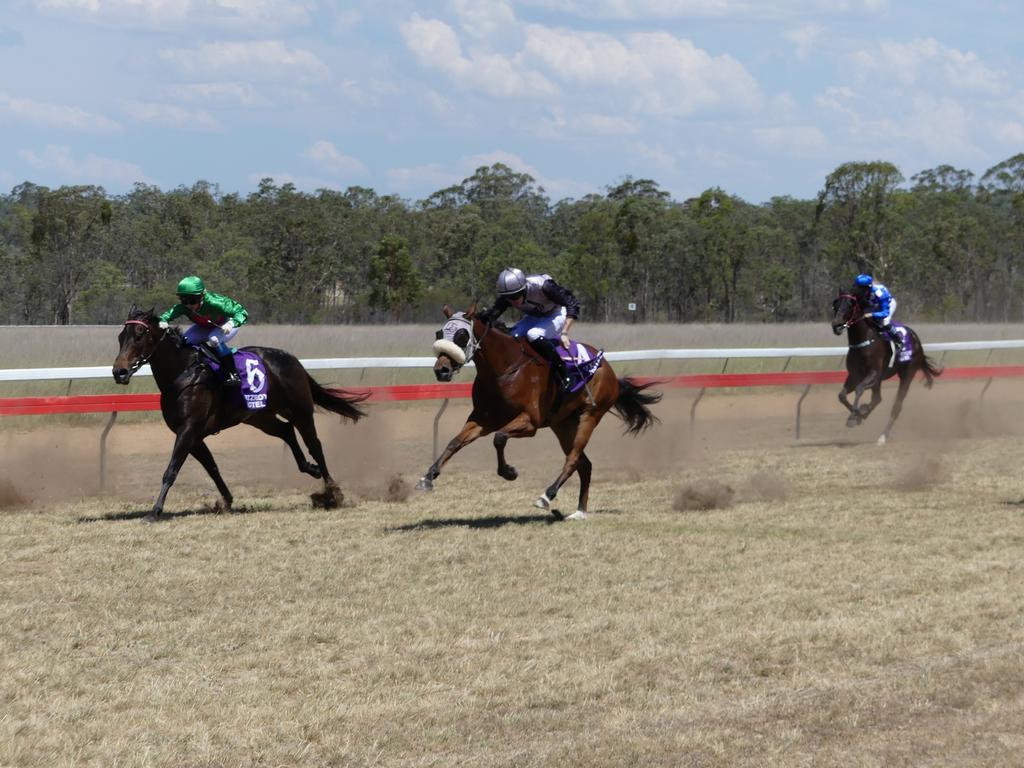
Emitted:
<point x="737" y="597"/>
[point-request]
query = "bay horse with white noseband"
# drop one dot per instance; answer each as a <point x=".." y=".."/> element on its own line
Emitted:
<point x="195" y="405"/>
<point x="868" y="359"/>
<point x="515" y="393"/>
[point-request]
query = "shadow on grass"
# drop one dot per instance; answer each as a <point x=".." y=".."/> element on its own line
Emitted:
<point x="142" y="514"/>
<point x="495" y="521"/>
<point x="831" y="443"/>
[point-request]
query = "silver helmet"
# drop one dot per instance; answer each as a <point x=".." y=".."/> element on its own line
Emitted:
<point x="511" y="281"/>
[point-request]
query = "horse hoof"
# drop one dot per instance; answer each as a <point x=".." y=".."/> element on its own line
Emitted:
<point x="543" y="502"/>
<point x="424" y="485"/>
<point x="314" y="470"/>
<point x="881" y="439"/>
<point x="579" y="514"/>
<point x="330" y="497"/>
<point x="508" y="472"/>
<point x="864" y="411"/>
<point x="152" y="517"/>
<point x="853" y="421"/>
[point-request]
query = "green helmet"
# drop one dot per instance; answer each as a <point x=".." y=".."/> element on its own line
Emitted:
<point x="191" y="286"/>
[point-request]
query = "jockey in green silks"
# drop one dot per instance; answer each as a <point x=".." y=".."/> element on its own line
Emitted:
<point x="215" y="319"/>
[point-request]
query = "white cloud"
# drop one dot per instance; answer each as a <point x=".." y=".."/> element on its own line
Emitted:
<point x="417" y="178"/>
<point x="1009" y="132"/>
<point x="436" y="46"/>
<point x="222" y="93"/>
<point x="327" y="156"/>
<point x="805" y="39"/>
<point x="799" y="140"/>
<point x="645" y="9"/>
<point x="251" y="15"/>
<point x="92" y="169"/>
<point x="926" y="60"/>
<point x="270" y="58"/>
<point x="636" y="10"/>
<point x="665" y="75"/>
<point x="661" y="158"/>
<point x="57" y="115"/>
<point x="484" y="18"/>
<point x="567" y="127"/>
<point x="171" y="116"/>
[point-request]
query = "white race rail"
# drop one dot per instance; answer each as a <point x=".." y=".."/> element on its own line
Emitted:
<point x="338" y="363"/>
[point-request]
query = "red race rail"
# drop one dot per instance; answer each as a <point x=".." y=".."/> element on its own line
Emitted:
<point x="28" y="406"/>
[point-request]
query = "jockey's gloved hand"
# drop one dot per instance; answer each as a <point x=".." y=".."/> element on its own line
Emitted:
<point x="486" y="315"/>
<point x="164" y="325"/>
<point x="228" y="327"/>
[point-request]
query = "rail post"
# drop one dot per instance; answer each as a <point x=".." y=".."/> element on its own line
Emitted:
<point x="693" y="406"/>
<point x="103" y="449"/>
<point x="437" y="418"/>
<point x="799" y="405"/>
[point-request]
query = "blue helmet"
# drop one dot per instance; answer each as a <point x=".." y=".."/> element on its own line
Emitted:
<point x="864" y="280"/>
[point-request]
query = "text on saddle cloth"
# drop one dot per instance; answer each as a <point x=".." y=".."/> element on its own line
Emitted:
<point x="580" y="362"/>
<point x="253" y="373"/>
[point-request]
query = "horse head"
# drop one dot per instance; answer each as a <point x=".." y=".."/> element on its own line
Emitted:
<point x="455" y="344"/>
<point x="138" y="340"/>
<point x="847" y="309"/>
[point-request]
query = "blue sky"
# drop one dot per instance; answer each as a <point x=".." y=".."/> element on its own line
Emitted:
<point x="759" y="98"/>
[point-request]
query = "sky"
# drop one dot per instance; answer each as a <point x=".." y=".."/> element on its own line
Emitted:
<point x="758" y="98"/>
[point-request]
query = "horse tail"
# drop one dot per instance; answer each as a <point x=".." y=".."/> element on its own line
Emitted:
<point x="338" y="401"/>
<point x="632" y="405"/>
<point x="928" y="367"/>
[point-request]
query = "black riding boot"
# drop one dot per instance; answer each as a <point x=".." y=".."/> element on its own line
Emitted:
<point x="546" y="349"/>
<point x="230" y="370"/>
<point x="893" y="334"/>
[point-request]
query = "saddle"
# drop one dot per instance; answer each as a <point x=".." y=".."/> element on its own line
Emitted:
<point x="251" y="370"/>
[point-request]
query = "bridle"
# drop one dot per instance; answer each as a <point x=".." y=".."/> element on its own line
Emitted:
<point x="143" y="360"/>
<point x="856" y="313"/>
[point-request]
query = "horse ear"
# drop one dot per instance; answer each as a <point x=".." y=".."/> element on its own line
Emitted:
<point x="133" y="309"/>
<point x="447" y="311"/>
<point x="471" y="312"/>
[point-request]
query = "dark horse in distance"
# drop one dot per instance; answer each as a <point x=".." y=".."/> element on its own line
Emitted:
<point x="871" y="358"/>
<point x="515" y="393"/>
<point x="195" y="404"/>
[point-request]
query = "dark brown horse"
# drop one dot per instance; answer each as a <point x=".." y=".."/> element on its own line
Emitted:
<point x="871" y="359"/>
<point x="515" y="394"/>
<point x="195" y="404"/>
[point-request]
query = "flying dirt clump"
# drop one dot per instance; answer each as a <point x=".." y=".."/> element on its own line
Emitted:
<point x="398" y="489"/>
<point x="924" y="473"/>
<point x="765" y="486"/>
<point x="9" y="496"/>
<point x="703" y="495"/>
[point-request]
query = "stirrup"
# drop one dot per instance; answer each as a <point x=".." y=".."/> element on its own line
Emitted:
<point x="232" y="380"/>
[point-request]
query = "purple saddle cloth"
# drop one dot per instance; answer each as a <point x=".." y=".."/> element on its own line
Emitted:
<point x="907" y="338"/>
<point x="580" y="362"/>
<point x="253" y="373"/>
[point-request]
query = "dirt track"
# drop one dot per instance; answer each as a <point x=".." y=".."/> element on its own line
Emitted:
<point x="61" y="464"/>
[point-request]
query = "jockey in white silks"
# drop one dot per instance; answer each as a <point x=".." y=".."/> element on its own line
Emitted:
<point x="549" y="310"/>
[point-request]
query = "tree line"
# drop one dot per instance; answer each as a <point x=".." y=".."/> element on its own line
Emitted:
<point x="949" y="245"/>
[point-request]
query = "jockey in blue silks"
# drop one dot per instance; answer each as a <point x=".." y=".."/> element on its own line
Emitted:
<point x="884" y="306"/>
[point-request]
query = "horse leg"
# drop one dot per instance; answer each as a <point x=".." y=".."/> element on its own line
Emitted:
<point x="871" y="380"/>
<point x="566" y="432"/>
<point x="854" y="418"/>
<point x="897" y="406"/>
<point x="520" y="426"/>
<point x="331" y="496"/>
<point x="470" y="431"/>
<point x="184" y="443"/>
<point x="876" y="398"/>
<point x="201" y="452"/>
<point x="286" y="432"/>
<point x="576" y="436"/>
